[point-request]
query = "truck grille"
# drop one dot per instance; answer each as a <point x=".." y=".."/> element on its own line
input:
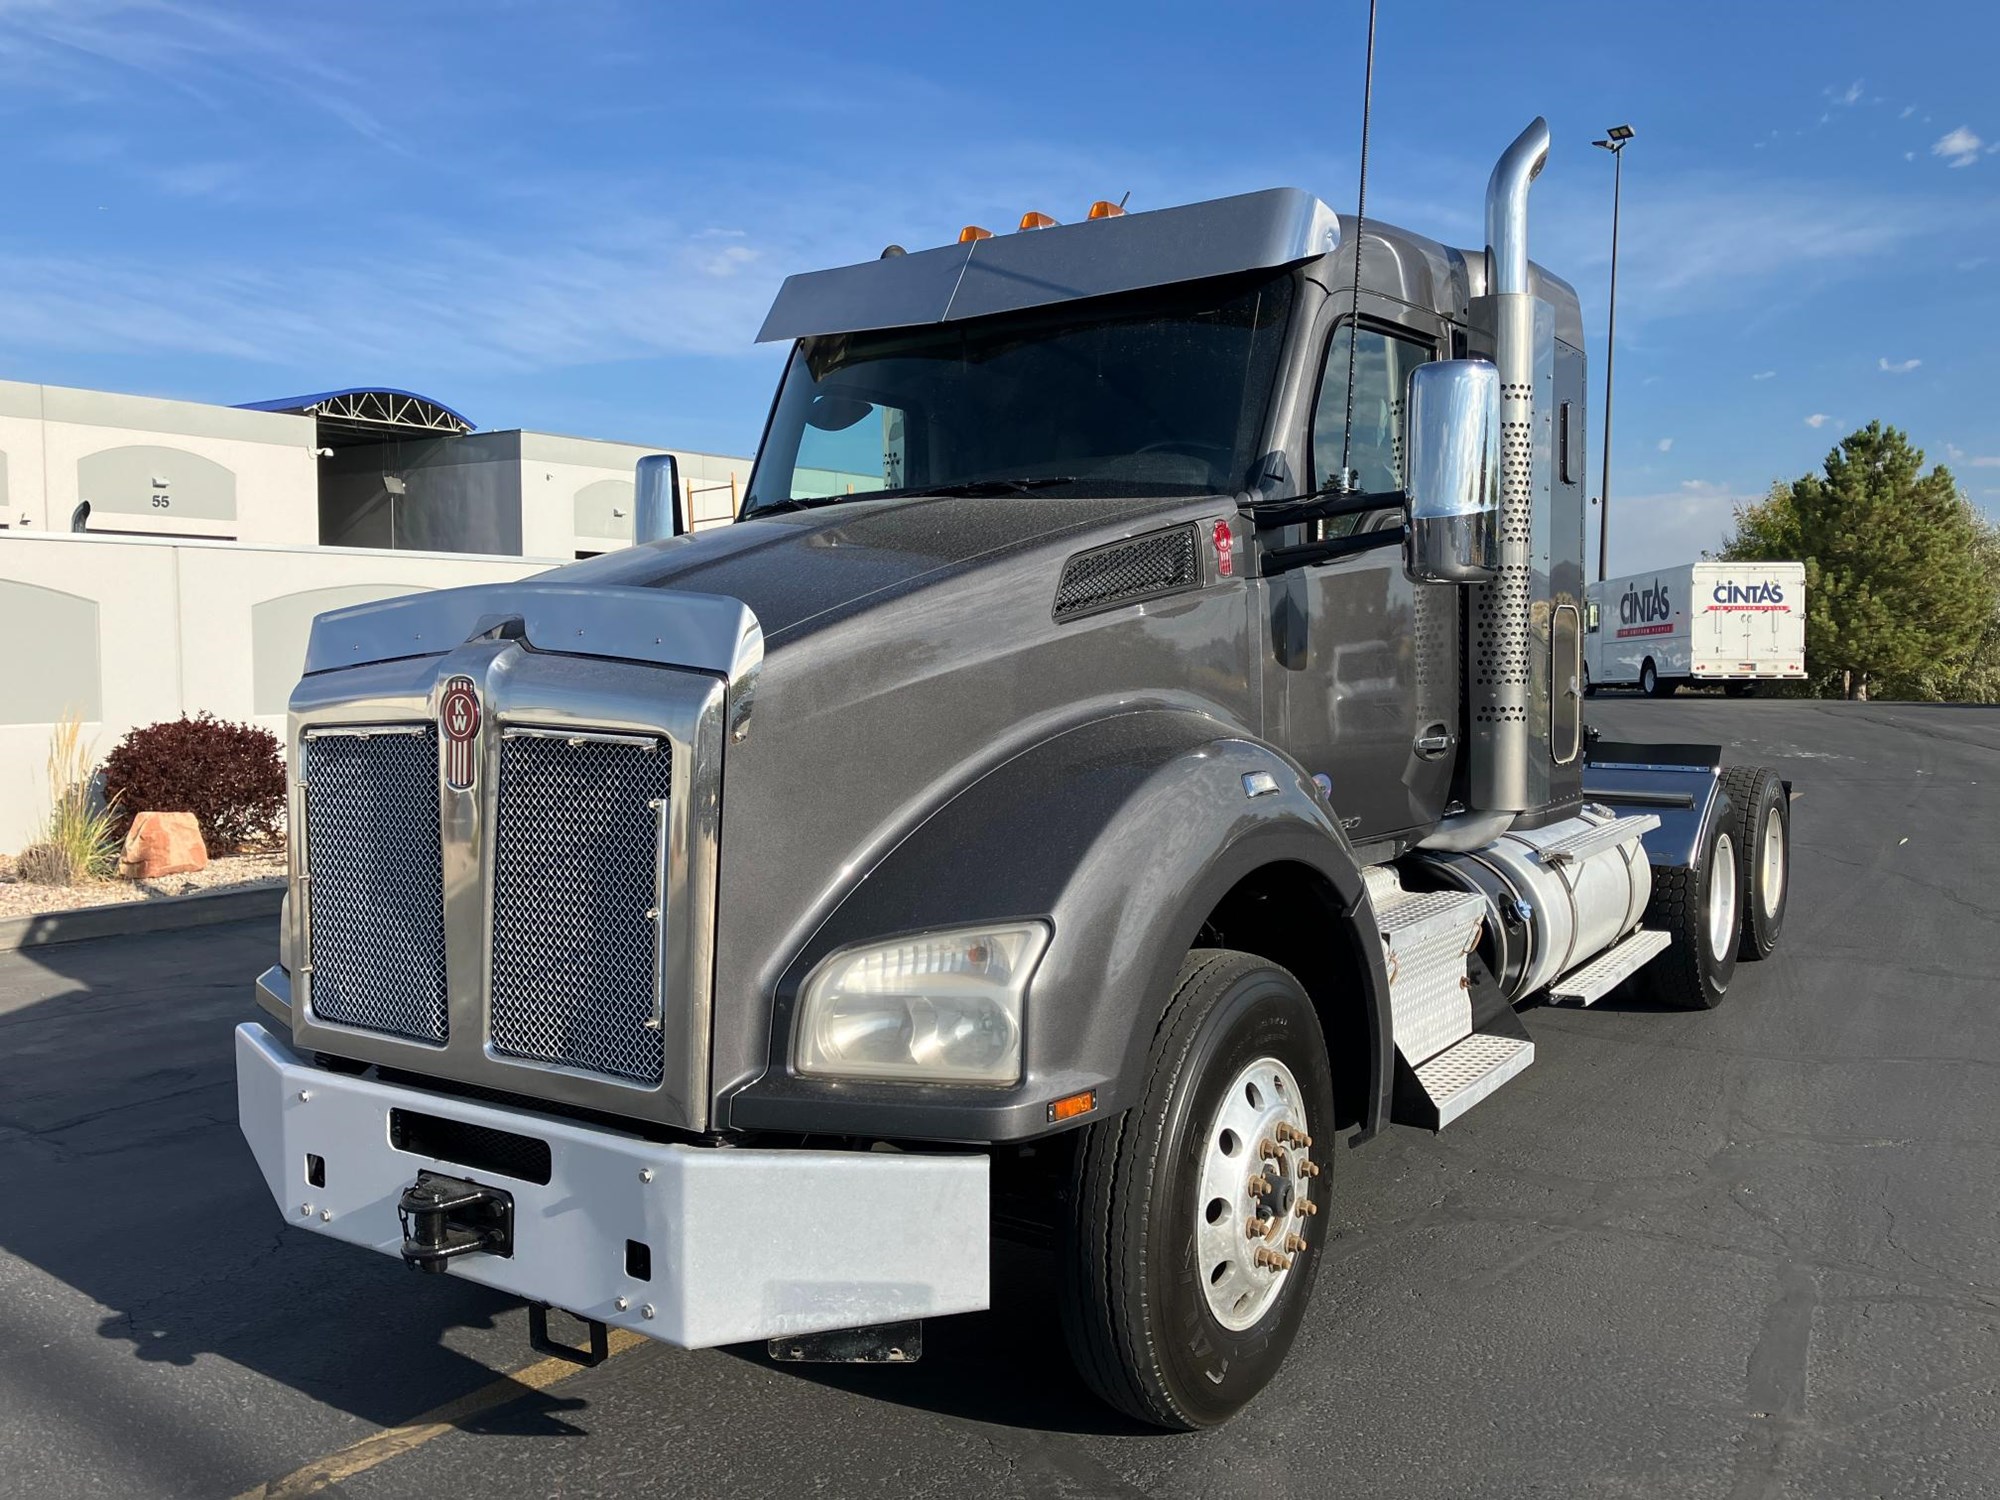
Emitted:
<point x="578" y="900"/>
<point x="375" y="893"/>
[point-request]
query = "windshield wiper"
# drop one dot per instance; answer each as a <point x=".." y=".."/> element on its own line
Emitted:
<point x="1026" y="486"/>
<point x="961" y="488"/>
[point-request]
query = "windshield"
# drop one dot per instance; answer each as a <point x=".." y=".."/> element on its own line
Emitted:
<point x="1156" y="392"/>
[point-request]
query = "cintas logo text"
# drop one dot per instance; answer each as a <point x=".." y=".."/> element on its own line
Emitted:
<point x="1726" y="592"/>
<point x="1643" y="606"/>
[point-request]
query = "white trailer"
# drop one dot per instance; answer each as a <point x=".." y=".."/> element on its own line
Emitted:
<point x="1736" y="623"/>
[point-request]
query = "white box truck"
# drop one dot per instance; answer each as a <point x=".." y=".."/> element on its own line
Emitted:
<point x="1737" y="623"/>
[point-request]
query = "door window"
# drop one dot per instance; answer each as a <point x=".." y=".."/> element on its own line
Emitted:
<point x="1382" y="364"/>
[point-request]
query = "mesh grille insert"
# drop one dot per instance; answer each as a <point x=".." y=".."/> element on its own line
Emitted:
<point x="375" y="899"/>
<point x="1146" y="567"/>
<point x="574" y="877"/>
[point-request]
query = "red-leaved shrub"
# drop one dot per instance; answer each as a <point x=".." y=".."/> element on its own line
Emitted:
<point x="230" y="776"/>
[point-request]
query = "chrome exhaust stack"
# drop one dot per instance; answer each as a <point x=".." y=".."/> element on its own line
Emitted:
<point x="1505" y="773"/>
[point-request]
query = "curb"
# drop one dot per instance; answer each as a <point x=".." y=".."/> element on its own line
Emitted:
<point x="130" y="918"/>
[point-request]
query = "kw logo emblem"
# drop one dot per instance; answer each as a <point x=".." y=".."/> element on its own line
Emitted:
<point x="458" y="721"/>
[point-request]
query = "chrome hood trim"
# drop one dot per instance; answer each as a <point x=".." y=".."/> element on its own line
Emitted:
<point x="668" y="628"/>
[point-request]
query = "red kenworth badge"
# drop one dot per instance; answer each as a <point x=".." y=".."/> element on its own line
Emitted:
<point x="458" y="721"/>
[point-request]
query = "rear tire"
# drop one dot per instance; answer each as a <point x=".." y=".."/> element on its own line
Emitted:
<point x="1697" y="904"/>
<point x="1764" y="849"/>
<point x="1651" y="683"/>
<point x="1159" y="1255"/>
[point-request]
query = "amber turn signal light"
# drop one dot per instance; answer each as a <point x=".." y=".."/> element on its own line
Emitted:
<point x="1072" y="1106"/>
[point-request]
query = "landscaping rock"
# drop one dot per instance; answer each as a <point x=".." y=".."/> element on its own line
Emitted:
<point x="163" y="843"/>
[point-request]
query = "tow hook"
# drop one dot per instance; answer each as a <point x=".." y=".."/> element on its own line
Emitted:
<point x="446" y="1217"/>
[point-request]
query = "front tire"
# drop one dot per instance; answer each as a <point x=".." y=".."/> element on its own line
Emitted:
<point x="1764" y="848"/>
<point x="1650" y="683"/>
<point x="1187" y="1259"/>
<point x="1697" y="904"/>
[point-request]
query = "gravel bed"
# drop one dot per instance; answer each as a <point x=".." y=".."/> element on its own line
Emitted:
<point x="235" y="872"/>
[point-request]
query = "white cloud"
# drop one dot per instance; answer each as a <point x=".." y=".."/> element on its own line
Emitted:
<point x="1908" y="110"/>
<point x="1818" y="419"/>
<point x="1959" y="148"/>
<point x="1765" y="375"/>
<point x="1852" y="93"/>
<point x="1953" y="451"/>
<point x="1909" y="156"/>
<point x="1896" y="366"/>
<point x="1666" y="445"/>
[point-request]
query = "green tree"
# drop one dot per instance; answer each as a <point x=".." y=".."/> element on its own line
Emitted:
<point x="1901" y="587"/>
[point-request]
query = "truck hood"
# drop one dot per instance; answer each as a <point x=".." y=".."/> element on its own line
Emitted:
<point x="792" y="569"/>
<point x="714" y="602"/>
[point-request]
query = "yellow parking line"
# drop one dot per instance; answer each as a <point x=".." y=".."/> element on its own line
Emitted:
<point x="387" y="1444"/>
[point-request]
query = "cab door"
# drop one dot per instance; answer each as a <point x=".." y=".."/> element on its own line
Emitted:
<point x="1371" y="676"/>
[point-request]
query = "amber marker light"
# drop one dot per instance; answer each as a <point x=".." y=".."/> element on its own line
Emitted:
<point x="1104" y="208"/>
<point x="1070" y="1107"/>
<point x="1033" y="220"/>
<point x="973" y="232"/>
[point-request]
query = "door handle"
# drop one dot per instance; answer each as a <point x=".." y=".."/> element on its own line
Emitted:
<point x="1433" y="742"/>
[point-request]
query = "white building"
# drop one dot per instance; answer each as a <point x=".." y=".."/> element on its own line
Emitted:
<point x="161" y="557"/>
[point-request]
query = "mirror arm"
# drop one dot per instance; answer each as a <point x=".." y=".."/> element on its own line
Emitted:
<point x="1323" y="505"/>
<point x="1284" y="559"/>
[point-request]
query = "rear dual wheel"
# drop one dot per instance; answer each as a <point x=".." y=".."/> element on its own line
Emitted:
<point x="1696" y="905"/>
<point x="1188" y="1257"/>
<point x="1764" y="841"/>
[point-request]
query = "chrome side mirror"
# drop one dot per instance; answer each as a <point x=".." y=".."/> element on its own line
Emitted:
<point x="656" y="499"/>
<point x="1451" y="447"/>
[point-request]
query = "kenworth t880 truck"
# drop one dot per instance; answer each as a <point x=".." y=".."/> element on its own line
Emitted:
<point x="1129" y="749"/>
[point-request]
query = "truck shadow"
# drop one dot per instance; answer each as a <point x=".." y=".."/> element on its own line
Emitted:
<point x="123" y="1177"/>
<point x="1007" y="1366"/>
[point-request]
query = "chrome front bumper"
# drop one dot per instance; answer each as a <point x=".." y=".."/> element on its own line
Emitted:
<point x="744" y="1243"/>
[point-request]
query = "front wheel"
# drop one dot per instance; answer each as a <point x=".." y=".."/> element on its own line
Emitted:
<point x="1649" y="682"/>
<point x="1189" y="1254"/>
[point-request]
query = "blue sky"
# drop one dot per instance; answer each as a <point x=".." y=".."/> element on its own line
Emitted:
<point x="572" y="216"/>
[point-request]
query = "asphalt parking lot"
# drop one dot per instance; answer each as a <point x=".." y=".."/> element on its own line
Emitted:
<point x="1748" y="1253"/>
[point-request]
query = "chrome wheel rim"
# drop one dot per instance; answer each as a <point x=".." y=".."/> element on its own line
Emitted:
<point x="1253" y="1202"/>
<point x="1722" y="898"/>
<point x="1772" y="880"/>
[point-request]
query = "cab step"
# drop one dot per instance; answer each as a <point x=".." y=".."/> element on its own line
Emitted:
<point x="1591" y="982"/>
<point x="1459" y="1077"/>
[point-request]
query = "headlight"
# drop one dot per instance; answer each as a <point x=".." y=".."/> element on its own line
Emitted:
<point x="943" y="1007"/>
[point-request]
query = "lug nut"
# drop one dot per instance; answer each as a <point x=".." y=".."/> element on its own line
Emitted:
<point x="1294" y="1244"/>
<point x="1307" y="1208"/>
<point x="1272" y="1260"/>
<point x="1267" y="1148"/>
<point x="1256" y="1229"/>
<point x="1259" y="1185"/>
<point x="1308" y="1169"/>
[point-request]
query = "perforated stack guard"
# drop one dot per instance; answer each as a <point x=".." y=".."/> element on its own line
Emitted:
<point x="1443" y="1065"/>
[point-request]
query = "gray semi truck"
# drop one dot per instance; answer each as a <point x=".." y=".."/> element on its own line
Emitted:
<point x="1128" y="751"/>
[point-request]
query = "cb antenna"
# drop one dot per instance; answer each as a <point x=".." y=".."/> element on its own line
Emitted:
<point x="1360" y="223"/>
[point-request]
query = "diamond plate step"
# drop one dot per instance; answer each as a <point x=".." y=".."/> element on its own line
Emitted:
<point x="1461" y="1076"/>
<point x="1425" y="937"/>
<point x="1603" y="974"/>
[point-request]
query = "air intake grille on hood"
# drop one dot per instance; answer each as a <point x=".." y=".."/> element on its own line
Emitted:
<point x="1145" y="567"/>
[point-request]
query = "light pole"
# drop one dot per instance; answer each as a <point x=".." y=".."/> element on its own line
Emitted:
<point x="1614" y="142"/>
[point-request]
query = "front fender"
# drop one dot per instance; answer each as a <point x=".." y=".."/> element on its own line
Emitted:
<point x="1123" y="834"/>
